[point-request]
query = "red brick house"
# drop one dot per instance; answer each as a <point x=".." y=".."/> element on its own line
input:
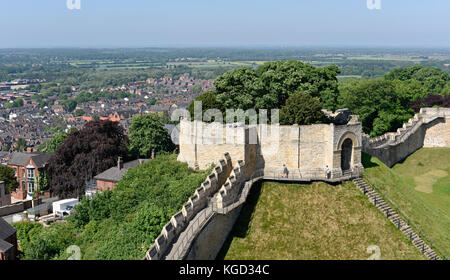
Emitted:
<point x="8" y="241"/>
<point x="108" y="179"/>
<point x="27" y="167"/>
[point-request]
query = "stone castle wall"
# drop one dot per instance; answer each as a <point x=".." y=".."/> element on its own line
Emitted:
<point x="199" y="230"/>
<point x="211" y="235"/>
<point x="198" y="201"/>
<point x="302" y="148"/>
<point x="429" y="128"/>
<point x="437" y="131"/>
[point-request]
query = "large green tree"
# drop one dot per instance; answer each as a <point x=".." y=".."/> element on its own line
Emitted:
<point x="272" y="83"/>
<point x="16" y="103"/>
<point x="69" y="104"/>
<point x="433" y="80"/>
<point x="147" y="133"/>
<point x="377" y="102"/>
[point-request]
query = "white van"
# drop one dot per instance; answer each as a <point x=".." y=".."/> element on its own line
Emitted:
<point x="64" y="207"/>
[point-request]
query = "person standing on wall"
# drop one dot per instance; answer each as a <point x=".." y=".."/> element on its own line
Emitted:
<point x="285" y="171"/>
<point x="327" y="172"/>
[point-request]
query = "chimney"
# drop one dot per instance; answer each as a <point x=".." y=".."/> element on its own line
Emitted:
<point x="119" y="163"/>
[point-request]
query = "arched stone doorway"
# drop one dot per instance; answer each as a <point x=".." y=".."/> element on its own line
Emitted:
<point x="346" y="154"/>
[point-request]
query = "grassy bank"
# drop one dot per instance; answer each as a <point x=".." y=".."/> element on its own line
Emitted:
<point x="316" y="221"/>
<point x="420" y="186"/>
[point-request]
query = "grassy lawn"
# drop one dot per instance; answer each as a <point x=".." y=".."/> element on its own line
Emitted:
<point x="316" y="221"/>
<point x="420" y="186"/>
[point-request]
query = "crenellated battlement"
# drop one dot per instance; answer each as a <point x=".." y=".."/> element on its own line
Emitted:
<point x="230" y="190"/>
<point x="303" y="149"/>
<point x="190" y="209"/>
<point x="428" y="128"/>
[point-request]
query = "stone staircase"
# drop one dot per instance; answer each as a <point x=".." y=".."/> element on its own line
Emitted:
<point x="393" y="216"/>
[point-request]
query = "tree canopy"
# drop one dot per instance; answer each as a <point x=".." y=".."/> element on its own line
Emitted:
<point x="209" y="101"/>
<point x="302" y="109"/>
<point x="7" y="175"/>
<point x="272" y="83"/>
<point x="377" y="103"/>
<point x="384" y="104"/>
<point x="53" y="144"/>
<point x="16" y="103"/>
<point x="84" y="154"/>
<point x="431" y="101"/>
<point x="433" y="80"/>
<point x="147" y="133"/>
<point x="269" y="86"/>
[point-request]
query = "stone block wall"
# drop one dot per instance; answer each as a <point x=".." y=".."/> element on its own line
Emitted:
<point x="209" y="239"/>
<point x="429" y="128"/>
<point x="301" y="148"/>
<point x="352" y="131"/>
<point x="437" y="131"/>
<point x="195" y="203"/>
<point x="202" y="144"/>
<point x="230" y="190"/>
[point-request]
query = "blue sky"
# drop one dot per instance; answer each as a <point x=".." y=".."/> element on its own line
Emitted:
<point x="181" y="23"/>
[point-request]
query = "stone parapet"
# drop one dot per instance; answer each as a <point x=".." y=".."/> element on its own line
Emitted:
<point x="428" y="128"/>
<point x="194" y="205"/>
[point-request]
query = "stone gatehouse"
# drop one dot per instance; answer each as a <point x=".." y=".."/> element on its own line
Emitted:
<point x="306" y="150"/>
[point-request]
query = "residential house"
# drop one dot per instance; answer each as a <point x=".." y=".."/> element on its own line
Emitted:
<point x="108" y="179"/>
<point x="27" y="167"/>
<point x="8" y="241"/>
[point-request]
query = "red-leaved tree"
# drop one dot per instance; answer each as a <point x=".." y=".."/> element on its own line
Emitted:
<point x="84" y="154"/>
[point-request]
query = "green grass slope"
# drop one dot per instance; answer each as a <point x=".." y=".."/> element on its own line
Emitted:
<point x="420" y="186"/>
<point x="316" y="222"/>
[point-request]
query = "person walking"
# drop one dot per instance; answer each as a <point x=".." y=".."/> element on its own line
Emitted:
<point x="285" y="171"/>
<point x="327" y="172"/>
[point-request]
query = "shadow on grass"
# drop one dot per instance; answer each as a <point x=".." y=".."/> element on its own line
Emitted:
<point x="367" y="161"/>
<point x="241" y="226"/>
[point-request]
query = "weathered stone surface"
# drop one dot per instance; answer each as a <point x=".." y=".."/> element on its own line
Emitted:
<point x="301" y="148"/>
<point x="429" y="128"/>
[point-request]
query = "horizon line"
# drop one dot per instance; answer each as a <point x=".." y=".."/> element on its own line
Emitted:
<point x="255" y="46"/>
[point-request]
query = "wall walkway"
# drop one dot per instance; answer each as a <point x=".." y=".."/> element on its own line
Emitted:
<point x="429" y="128"/>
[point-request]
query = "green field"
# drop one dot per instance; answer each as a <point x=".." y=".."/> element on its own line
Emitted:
<point x="316" y="221"/>
<point x="420" y="186"/>
<point x="218" y="63"/>
<point x="389" y="58"/>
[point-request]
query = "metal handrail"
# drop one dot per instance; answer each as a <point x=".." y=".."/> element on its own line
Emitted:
<point x="408" y="221"/>
<point x="311" y="174"/>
